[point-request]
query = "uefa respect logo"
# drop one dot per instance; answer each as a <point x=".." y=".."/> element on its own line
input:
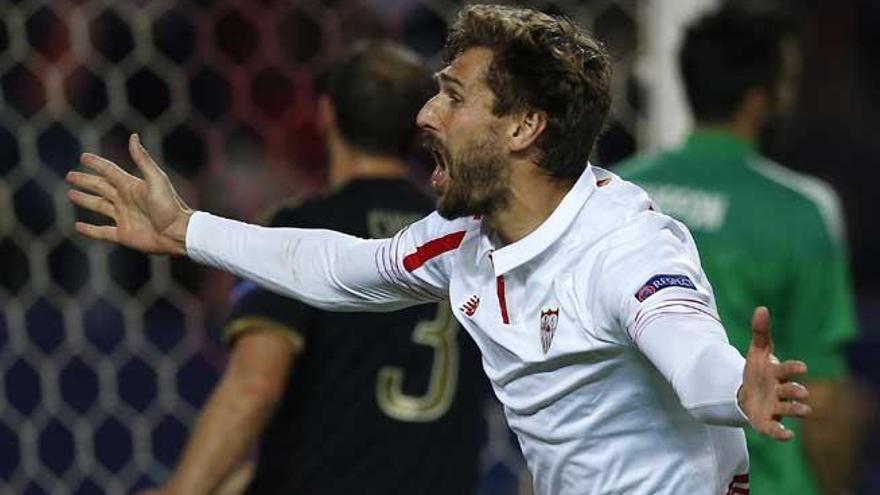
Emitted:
<point x="660" y="282"/>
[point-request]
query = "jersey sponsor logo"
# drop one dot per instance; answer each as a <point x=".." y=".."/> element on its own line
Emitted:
<point x="660" y="282"/>
<point x="549" y="320"/>
<point x="470" y="306"/>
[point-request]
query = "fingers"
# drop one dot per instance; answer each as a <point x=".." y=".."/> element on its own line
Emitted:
<point x="761" y="329"/>
<point x="116" y="175"/>
<point x="105" y="168"/>
<point x="142" y="159"/>
<point x="789" y="369"/>
<point x="777" y="431"/>
<point x="793" y="391"/>
<point x="93" y="203"/>
<point x="99" y="232"/>
<point x="92" y="183"/>
<point x="792" y="408"/>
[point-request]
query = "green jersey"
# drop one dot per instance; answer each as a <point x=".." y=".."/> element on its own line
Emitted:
<point x="766" y="236"/>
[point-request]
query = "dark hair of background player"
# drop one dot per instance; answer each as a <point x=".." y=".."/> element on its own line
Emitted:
<point x="377" y="91"/>
<point x="546" y="63"/>
<point x="727" y="53"/>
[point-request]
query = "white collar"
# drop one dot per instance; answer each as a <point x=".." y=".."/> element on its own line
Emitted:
<point x="513" y="255"/>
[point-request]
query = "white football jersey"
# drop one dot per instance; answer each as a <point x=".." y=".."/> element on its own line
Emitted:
<point x="558" y="315"/>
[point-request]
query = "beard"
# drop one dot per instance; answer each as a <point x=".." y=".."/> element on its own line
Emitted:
<point x="477" y="177"/>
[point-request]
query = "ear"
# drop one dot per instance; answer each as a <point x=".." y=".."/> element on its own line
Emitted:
<point x="526" y="128"/>
<point x="326" y="118"/>
<point x="756" y="106"/>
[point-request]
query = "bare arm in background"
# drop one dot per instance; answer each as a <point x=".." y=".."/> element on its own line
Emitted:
<point x="831" y="436"/>
<point x="235" y="415"/>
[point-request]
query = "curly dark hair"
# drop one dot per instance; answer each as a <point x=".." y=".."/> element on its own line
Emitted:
<point x="545" y="63"/>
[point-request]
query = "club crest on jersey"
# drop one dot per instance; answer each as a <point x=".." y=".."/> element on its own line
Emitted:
<point x="660" y="282"/>
<point x="549" y="320"/>
<point x="470" y="306"/>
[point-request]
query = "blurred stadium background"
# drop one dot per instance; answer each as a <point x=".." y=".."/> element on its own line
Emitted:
<point x="106" y="355"/>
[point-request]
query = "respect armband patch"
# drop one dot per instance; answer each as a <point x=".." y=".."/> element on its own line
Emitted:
<point x="660" y="282"/>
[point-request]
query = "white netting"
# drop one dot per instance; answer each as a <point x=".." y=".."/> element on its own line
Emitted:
<point x="107" y="355"/>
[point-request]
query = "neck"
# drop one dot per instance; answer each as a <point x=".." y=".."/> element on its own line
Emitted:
<point x="742" y="125"/>
<point x="534" y="196"/>
<point x="742" y="132"/>
<point x="347" y="164"/>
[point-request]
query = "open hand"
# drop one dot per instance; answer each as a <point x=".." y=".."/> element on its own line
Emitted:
<point x="148" y="214"/>
<point x="768" y="393"/>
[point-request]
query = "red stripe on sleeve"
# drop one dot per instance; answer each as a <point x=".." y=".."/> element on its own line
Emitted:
<point x="502" y="298"/>
<point x="432" y="249"/>
<point x="739" y="485"/>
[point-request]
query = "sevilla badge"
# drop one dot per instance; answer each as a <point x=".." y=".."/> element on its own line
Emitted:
<point x="549" y="319"/>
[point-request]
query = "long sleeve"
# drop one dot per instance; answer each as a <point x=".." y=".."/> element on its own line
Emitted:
<point x="325" y="269"/>
<point x="691" y="351"/>
<point x="663" y="303"/>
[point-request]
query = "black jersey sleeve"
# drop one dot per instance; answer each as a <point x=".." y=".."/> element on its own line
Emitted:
<point x="257" y="309"/>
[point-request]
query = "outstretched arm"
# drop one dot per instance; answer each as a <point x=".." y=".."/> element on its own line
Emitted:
<point x="666" y="307"/>
<point x="712" y="380"/>
<point x="322" y="268"/>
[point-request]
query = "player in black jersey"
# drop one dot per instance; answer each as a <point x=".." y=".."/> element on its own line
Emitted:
<point x="344" y="403"/>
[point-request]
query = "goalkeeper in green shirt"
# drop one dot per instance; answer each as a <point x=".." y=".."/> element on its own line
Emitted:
<point x="766" y="235"/>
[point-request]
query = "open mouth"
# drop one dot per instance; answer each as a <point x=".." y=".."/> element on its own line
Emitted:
<point x="441" y="170"/>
